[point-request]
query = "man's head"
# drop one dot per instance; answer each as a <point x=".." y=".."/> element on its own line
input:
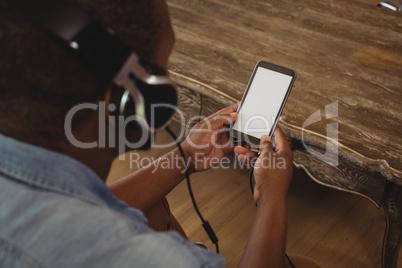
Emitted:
<point x="40" y="80"/>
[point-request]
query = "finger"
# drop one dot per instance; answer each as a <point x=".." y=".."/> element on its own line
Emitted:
<point x="242" y="158"/>
<point x="256" y="195"/>
<point x="245" y="160"/>
<point x="223" y="120"/>
<point x="266" y="145"/>
<point x="281" y="143"/>
<point x="224" y="142"/>
<point x="227" y="110"/>
<point x="248" y="157"/>
<point x="241" y="150"/>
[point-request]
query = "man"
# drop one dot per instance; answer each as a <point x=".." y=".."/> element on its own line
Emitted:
<point x="55" y="211"/>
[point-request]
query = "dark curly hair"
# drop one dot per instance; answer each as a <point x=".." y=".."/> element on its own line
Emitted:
<point x="40" y="80"/>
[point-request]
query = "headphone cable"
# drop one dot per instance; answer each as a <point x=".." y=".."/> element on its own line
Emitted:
<point x="207" y="227"/>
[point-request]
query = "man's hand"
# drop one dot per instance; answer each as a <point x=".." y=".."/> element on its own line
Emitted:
<point x="272" y="169"/>
<point x="208" y="141"/>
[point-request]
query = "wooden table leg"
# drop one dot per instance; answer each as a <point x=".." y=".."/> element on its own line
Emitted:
<point x="393" y="232"/>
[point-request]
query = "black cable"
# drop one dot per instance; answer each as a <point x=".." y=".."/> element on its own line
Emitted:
<point x="217" y="247"/>
<point x="186" y="172"/>
<point x="207" y="227"/>
<point x="252" y="192"/>
<point x="290" y="262"/>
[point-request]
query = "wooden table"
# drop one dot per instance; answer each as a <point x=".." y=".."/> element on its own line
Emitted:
<point x="348" y="56"/>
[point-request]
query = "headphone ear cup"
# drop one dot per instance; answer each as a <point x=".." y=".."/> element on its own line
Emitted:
<point x="160" y="100"/>
<point x="115" y="98"/>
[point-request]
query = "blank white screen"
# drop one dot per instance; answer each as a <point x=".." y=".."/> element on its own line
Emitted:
<point x="262" y="103"/>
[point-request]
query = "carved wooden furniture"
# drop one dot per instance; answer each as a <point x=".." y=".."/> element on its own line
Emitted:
<point x="348" y="56"/>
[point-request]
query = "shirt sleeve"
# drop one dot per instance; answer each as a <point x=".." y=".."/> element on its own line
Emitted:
<point x="167" y="249"/>
<point x="119" y="239"/>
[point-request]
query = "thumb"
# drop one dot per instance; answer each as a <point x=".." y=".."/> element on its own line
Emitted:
<point x="266" y="145"/>
<point x="223" y="120"/>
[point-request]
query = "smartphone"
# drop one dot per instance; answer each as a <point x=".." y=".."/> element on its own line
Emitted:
<point x="262" y="103"/>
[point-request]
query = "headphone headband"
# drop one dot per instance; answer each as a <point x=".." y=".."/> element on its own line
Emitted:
<point x="95" y="44"/>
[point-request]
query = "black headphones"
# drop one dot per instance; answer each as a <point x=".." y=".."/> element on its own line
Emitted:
<point x="145" y="92"/>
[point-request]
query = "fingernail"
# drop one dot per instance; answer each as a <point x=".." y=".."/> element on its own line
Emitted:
<point x="266" y="138"/>
<point x="233" y="114"/>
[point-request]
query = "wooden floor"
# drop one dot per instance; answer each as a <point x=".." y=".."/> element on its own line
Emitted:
<point x="336" y="229"/>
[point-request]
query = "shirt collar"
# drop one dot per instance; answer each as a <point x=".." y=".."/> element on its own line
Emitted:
<point x="52" y="171"/>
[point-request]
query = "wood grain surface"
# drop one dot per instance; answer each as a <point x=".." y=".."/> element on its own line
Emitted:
<point x="343" y="51"/>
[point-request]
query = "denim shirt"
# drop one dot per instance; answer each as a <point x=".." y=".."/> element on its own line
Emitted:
<point x="56" y="212"/>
